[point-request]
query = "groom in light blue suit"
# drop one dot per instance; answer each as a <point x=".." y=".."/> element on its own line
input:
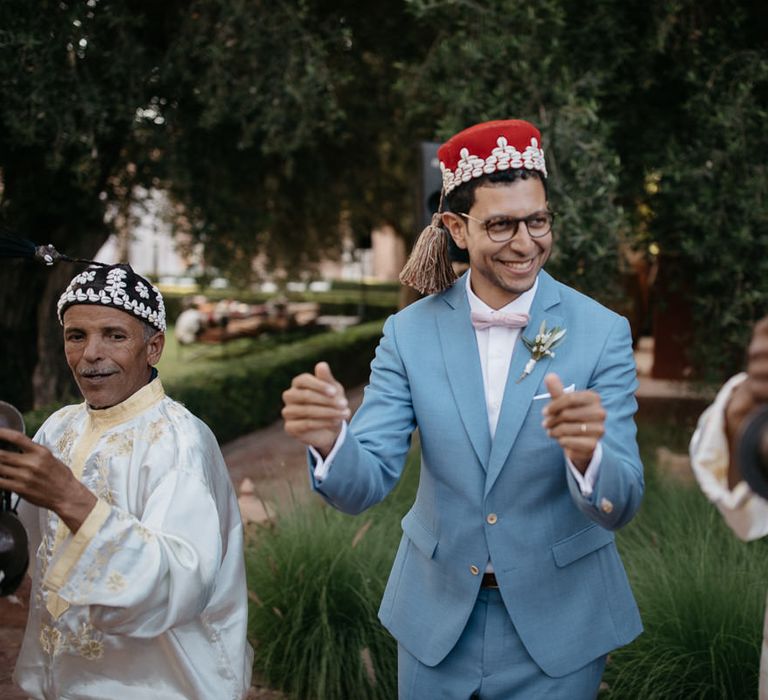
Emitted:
<point x="507" y="582"/>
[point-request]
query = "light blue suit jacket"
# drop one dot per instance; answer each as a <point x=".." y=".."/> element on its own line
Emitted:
<point x="553" y="550"/>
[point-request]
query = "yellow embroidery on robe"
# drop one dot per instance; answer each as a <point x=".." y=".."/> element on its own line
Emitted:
<point x="100" y="480"/>
<point x="155" y="431"/>
<point x="51" y="640"/>
<point x="144" y="533"/>
<point x="87" y="642"/>
<point x="115" y="582"/>
<point x="65" y="442"/>
<point x="92" y="650"/>
<point x="121" y="444"/>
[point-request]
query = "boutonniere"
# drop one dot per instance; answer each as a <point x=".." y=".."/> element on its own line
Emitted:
<point x="541" y="346"/>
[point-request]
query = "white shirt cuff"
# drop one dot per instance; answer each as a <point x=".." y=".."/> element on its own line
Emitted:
<point x="586" y="481"/>
<point x="322" y="466"/>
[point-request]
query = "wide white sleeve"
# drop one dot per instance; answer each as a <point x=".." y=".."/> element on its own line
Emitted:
<point x="142" y="576"/>
<point x="744" y="512"/>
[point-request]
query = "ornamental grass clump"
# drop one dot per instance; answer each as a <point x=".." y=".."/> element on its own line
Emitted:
<point x="316" y="578"/>
<point x="316" y="581"/>
<point x="701" y="594"/>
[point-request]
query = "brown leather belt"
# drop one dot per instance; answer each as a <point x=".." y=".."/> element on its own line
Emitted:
<point x="489" y="580"/>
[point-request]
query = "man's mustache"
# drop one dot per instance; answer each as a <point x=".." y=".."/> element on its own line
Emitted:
<point x="97" y="371"/>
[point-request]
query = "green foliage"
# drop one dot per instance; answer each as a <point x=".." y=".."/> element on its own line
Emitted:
<point x="627" y="93"/>
<point x="712" y="214"/>
<point x="393" y="287"/>
<point x="274" y="126"/>
<point x="482" y="66"/>
<point x="316" y="577"/>
<point x="181" y="364"/>
<point x="72" y="77"/>
<point x="284" y="103"/>
<point x="34" y="419"/>
<point x="701" y="594"/>
<point x="267" y="123"/>
<point x="234" y="398"/>
<point x="375" y="301"/>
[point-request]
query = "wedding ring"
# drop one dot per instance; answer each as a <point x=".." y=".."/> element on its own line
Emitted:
<point x="583" y="427"/>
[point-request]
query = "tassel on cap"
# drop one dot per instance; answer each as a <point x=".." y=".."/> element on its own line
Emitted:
<point x="429" y="269"/>
<point x="16" y="247"/>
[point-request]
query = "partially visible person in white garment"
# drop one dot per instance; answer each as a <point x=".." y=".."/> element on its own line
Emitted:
<point x="714" y="455"/>
<point x="189" y="325"/>
<point x="138" y="578"/>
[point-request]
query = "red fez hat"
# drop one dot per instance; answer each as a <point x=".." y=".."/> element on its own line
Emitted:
<point x="507" y="144"/>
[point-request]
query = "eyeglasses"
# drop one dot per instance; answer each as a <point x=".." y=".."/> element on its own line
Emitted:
<point x="504" y="228"/>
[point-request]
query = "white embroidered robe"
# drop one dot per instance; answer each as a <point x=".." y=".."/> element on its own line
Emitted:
<point x="148" y="599"/>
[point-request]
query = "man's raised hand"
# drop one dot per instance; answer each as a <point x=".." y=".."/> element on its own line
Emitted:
<point x="43" y="480"/>
<point x="576" y="420"/>
<point x="315" y="408"/>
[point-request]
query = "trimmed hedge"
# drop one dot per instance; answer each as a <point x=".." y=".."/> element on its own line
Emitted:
<point x="372" y="302"/>
<point x="245" y="395"/>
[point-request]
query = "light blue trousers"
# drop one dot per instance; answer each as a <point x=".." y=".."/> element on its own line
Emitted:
<point x="489" y="662"/>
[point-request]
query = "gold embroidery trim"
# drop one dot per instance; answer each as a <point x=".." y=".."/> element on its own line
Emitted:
<point x="58" y="573"/>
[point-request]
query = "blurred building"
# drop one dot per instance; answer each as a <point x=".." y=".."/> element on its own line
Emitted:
<point x="146" y="241"/>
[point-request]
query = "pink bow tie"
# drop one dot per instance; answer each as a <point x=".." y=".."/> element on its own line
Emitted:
<point x="482" y="320"/>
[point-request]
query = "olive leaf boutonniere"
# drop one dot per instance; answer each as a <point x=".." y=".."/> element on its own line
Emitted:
<point x="541" y="346"/>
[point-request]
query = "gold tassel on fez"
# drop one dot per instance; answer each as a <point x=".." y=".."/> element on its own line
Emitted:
<point x="429" y="269"/>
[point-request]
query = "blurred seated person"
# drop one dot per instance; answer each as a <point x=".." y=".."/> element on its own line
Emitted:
<point x="714" y="455"/>
<point x="189" y="324"/>
<point x="222" y="313"/>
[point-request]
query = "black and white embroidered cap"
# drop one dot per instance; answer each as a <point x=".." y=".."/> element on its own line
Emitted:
<point x="117" y="286"/>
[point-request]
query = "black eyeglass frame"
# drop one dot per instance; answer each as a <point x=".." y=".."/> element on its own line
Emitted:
<point x="526" y="219"/>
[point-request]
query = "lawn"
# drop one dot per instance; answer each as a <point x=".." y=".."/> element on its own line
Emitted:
<point x="180" y="362"/>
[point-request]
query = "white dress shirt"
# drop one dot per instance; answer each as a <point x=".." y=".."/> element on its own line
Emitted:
<point x="496" y="345"/>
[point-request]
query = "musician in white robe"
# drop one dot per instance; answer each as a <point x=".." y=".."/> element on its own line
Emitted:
<point x="714" y="456"/>
<point x="138" y="584"/>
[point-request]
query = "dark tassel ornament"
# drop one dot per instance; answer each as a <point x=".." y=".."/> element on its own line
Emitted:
<point x="15" y="247"/>
<point x="429" y="269"/>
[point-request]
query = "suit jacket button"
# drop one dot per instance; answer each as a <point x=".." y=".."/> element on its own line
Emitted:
<point x="606" y="506"/>
<point x="492" y="518"/>
<point x="475" y="571"/>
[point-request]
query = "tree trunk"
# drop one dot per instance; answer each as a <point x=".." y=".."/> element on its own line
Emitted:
<point x="20" y="285"/>
<point x="672" y="322"/>
<point x="33" y="370"/>
<point x="52" y="380"/>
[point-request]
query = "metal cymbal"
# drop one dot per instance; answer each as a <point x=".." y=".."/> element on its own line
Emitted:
<point x="753" y="452"/>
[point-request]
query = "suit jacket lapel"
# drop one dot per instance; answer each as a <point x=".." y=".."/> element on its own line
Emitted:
<point x="462" y="363"/>
<point x="518" y="395"/>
